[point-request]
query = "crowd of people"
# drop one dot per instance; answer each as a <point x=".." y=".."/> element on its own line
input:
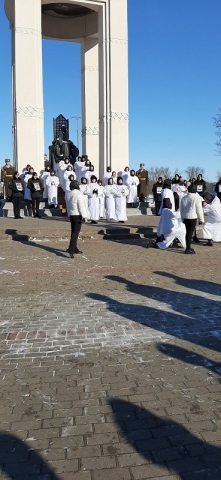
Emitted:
<point x="179" y="203"/>
<point x="104" y="198"/>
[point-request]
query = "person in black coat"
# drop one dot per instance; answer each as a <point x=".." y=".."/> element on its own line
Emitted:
<point x="218" y="189"/>
<point x="200" y="185"/>
<point x="16" y="186"/>
<point x="156" y="190"/>
<point x="36" y="187"/>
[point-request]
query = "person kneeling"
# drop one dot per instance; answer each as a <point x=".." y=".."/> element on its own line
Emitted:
<point x="212" y="228"/>
<point x="171" y="227"/>
<point x="76" y="213"/>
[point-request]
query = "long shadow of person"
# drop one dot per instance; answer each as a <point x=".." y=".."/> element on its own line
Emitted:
<point x="190" y="357"/>
<point x="181" y="314"/>
<point x="200" y="285"/>
<point x="20" y="462"/>
<point x="24" y="239"/>
<point x="165" y="445"/>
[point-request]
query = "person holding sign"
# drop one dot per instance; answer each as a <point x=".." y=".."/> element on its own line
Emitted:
<point x="156" y="190"/>
<point x="200" y="185"/>
<point x="218" y="189"/>
<point x="36" y="187"/>
<point x="16" y="186"/>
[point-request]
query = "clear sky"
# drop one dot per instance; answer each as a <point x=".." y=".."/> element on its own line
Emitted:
<point x="174" y="83"/>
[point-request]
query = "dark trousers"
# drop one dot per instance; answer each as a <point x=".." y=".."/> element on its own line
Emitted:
<point x="190" y="224"/>
<point x="157" y="206"/>
<point x="76" y="223"/>
<point x="35" y="205"/>
<point x="16" y="206"/>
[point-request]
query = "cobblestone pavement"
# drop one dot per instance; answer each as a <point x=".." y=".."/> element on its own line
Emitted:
<point x="110" y="363"/>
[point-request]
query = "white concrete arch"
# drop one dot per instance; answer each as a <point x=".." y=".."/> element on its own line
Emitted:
<point x="102" y="32"/>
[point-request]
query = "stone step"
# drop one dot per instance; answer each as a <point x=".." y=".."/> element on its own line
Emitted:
<point x="6" y="210"/>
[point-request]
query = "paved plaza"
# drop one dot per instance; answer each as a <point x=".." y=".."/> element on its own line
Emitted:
<point x="110" y="363"/>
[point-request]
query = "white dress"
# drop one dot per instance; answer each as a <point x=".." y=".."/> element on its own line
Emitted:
<point x="120" y="194"/>
<point x="78" y="169"/>
<point x="101" y="200"/>
<point x="212" y="228"/>
<point x="125" y="177"/>
<point x="93" y="202"/>
<point x="84" y="170"/>
<point x="85" y="189"/>
<point x="171" y="227"/>
<point x="167" y="193"/>
<point x="67" y="174"/>
<point x="27" y="191"/>
<point x="132" y="183"/>
<point x="89" y="174"/>
<point x="44" y="178"/>
<point x="109" y="202"/>
<point x="114" y="180"/>
<point x="106" y="177"/>
<point x="52" y="183"/>
<point x="63" y="170"/>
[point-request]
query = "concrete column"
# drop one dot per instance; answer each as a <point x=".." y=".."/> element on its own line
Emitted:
<point x="28" y="113"/>
<point x="113" y="86"/>
<point x="90" y="100"/>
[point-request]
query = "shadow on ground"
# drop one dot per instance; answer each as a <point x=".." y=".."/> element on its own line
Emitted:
<point x="20" y="462"/>
<point x="29" y="243"/>
<point x="165" y="444"/>
<point x="191" y="316"/>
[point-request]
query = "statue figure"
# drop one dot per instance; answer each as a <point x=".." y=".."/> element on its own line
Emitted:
<point x="62" y="147"/>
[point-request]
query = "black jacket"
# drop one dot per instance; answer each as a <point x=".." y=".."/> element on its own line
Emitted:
<point x="218" y="188"/>
<point x="157" y="195"/>
<point x="16" y="186"/>
<point x="200" y="186"/>
<point x="36" y="187"/>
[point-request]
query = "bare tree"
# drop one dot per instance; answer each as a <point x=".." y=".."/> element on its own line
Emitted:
<point x="193" y="172"/>
<point x="217" y="125"/>
<point x="156" y="172"/>
<point x="218" y="174"/>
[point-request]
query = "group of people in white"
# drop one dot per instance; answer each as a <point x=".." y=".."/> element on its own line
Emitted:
<point x="107" y="198"/>
<point x="180" y="224"/>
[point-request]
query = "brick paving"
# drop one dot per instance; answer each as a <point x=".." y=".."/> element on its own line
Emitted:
<point x="110" y="363"/>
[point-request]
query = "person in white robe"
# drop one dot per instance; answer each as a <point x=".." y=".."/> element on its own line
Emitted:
<point x="69" y="171"/>
<point x="167" y="193"/>
<point x="85" y="168"/>
<point x="212" y="228"/>
<point x="84" y="188"/>
<point x="106" y="176"/>
<point x="120" y="194"/>
<point x="125" y="175"/>
<point x="114" y="176"/>
<point x="132" y="183"/>
<point x="89" y="174"/>
<point x="79" y="164"/>
<point x="66" y="167"/>
<point x="93" y="200"/>
<point x="44" y="177"/>
<point x="52" y="183"/>
<point x="170" y="227"/>
<point x="70" y="179"/>
<point x="109" y="200"/>
<point x="101" y="198"/>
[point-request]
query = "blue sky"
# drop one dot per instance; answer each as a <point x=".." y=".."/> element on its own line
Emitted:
<point x="174" y="83"/>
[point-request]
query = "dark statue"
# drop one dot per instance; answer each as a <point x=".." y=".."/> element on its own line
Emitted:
<point x="62" y="146"/>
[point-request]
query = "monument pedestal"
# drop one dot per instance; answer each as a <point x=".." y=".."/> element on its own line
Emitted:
<point x="101" y="28"/>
